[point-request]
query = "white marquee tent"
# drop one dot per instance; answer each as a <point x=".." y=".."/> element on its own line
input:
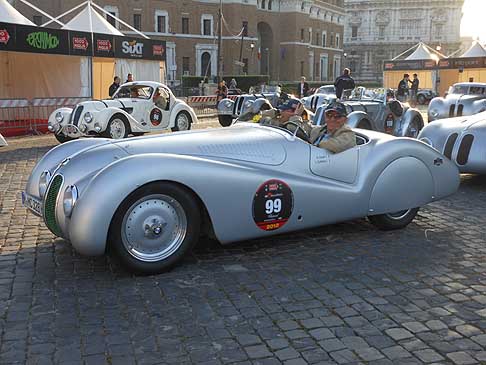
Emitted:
<point x="476" y="50"/>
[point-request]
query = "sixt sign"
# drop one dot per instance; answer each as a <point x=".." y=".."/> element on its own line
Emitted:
<point x="133" y="48"/>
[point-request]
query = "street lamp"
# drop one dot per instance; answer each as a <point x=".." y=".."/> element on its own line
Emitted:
<point x="437" y="79"/>
<point x="268" y="61"/>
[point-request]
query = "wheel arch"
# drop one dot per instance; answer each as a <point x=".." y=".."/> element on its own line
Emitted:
<point x="355" y="118"/>
<point x="407" y="119"/>
<point x="180" y="107"/>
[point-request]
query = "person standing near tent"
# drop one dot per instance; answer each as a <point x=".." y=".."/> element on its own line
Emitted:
<point x="414" y="89"/>
<point x="114" y="87"/>
<point x="129" y="78"/>
<point x="402" y="91"/>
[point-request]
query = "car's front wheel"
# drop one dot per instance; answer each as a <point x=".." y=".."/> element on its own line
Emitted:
<point x="391" y="221"/>
<point x="182" y="122"/>
<point x="117" y="128"/>
<point x="154" y="227"/>
<point x="61" y="138"/>
<point x="225" y="120"/>
<point x="421" y="99"/>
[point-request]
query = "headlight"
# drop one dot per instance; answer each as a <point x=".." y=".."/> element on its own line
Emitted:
<point x="44" y="182"/>
<point x="88" y="117"/>
<point x="70" y="198"/>
<point x="228" y="103"/>
<point x="97" y="127"/>
<point x="59" y="117"/>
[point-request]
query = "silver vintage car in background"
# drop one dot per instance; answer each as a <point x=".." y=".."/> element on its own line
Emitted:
<point x="150" y="198"/>
<point x="323" y="96"/>
<point x="464" y="98"/>
<point x="373" y="110"/>
<point x="461" y="139"/>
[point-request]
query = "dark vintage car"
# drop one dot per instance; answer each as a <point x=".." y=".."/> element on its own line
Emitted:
<point x="374" y="110"/>
<point x="464" y="98"/>
<point x="322" y="96"/>
<point x="425" y="95"/>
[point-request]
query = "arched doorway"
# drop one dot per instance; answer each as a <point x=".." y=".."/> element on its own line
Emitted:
<point x="266" y="49"/>
<point x="206" y="64"/>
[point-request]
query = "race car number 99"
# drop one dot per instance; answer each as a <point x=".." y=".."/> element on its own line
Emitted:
<point x="272" y="205"/>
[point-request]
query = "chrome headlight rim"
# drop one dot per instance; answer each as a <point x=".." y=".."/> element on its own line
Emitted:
<point x="59" y="117"/>
<point x="70" y="198"/>
<point x="44" y="180"/>
<point x="88" y="117"/>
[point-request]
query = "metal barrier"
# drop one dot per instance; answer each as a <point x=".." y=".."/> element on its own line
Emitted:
<point x="205" y="106"/>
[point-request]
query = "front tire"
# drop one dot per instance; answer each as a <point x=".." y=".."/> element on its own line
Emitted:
<point x="117" y="128"/>
<point x="225" y="120"/>
<point x="391" y="221"/>
<point x="154" y="227"/>
<point x="183" y="122"/>
<point x="61" y="139"/>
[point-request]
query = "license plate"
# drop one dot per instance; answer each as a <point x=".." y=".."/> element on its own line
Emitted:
<point x="34" y="204"/>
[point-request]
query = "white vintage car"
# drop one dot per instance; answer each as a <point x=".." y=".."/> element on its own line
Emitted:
<point x="136" y="108"/>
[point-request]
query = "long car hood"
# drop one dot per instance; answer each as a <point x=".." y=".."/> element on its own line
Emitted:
<point x="245" y="142"/>
<point x="103" y="104"/>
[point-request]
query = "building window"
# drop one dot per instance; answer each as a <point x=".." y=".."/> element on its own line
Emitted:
<point x="245" y="28"/>
<point x="302" y="35"/>
<point x="324" y="34"/>
<point x="161" y="21"/>
<point x="269" y="4"/>
<point x="317" y="38"/>
<point x="113" y="10"/>
<point x="263" y="4"/>
<point x="185" y="65"/>
<point x="337" y="40"/>
<point x="161" y="24"/>
<point x="37" y="19"/>
<point x="245" y="67"/>
<point x="206" y="26"/>
<point x="137" y="21"/>
<point x="185" y="25"/>
<point x="332" y="40"/>
<point x="354" y="31"/>
<point x="301" y="68"/>
<point x="381" y="31"/>
<point x="310" y="36"/>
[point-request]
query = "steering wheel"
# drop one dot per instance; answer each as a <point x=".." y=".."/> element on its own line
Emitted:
<point x="297" y="128"/>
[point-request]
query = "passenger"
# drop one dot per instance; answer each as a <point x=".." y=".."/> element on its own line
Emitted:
<point x="159" y="100"/>
<point x="337" y="137"/>
<point x="134" y="93"/>
<point x="292" y="110"/>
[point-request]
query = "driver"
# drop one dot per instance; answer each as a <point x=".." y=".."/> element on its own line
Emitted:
<point x="134" y="92"/>
<point x="335" y="136"/>
<point x="292" y="110"/>
<point x="159" y="100"/>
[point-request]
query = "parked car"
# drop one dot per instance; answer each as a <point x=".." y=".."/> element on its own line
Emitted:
<point x="3" y="142"/>
<point x="374" y="110"/>
<point x="322" y="96"/>
<point x="229" y="110"/>
<point x="461" y="139"/>
<point x="234" y="184"/>
<point x="425" y="95"/>
<point x="136" y="108"/>
<point x="464" y="98"/>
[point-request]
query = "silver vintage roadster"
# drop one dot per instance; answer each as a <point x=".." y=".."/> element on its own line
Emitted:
<point x="150" y="198"/>
<point x="462" y="139"/>
<point x="464" y="98"/>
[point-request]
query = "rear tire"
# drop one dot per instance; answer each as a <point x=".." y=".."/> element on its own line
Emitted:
<point x="154" y="227"/>
<point x="225" y="120"/>
<point x="391" y="221"/>
<point x="61" y="139"/>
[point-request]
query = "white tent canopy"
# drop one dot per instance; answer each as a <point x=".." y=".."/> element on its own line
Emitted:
<point x="476" y="50"/>
<point x="89" y="20"/>
<point x="9" y="14"/>
<point x="423" y="52"/>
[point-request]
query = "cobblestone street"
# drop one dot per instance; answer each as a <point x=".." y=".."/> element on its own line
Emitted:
<point x="340" y="294"/>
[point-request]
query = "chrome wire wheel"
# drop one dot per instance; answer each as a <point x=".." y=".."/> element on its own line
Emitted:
<point x="182" y="122"/>
<point x="154" y="228"/>
<point x="117" y="129"/>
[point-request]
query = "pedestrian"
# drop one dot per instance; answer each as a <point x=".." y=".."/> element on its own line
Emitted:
<point x="233" y="84"/>
<point x="222" y="92"/>
<point x="414" y="90"/>
<point x="114" y="87"/>
<point x="129" y="78"/>
<point x="302" y="88"/>
<point x="344" y="82"/>
<point x="402" y="90"/>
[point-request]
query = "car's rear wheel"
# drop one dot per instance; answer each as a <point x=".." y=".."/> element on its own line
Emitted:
<point x="117" y="128"/>
<point x="225" y="120"/>
<point x="421" y="99"/>
<point x="414" y="127"/>
<point x="61" y="139"/>
<point x="154" y="227"/>
<point x="182" y="122"/>
<point x="396" y="220"/>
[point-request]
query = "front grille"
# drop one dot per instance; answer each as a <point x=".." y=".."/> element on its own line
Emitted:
<point x="239" y="105"/>
<point x="464" y="149"/>
<point x="77" y="114"/>
<point x="459" y="110"/>
<point x="450" y="145"/>
<point x="451" y="110"/>
<point x="50" y="205"/>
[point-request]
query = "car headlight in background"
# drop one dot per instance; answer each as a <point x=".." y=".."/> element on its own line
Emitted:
<point x="88" y="117"/>
<point x="44" y="182"/>
<point x="228" y="103"/>
<point x="59" y="117"/>
<point x="70" y="198"/>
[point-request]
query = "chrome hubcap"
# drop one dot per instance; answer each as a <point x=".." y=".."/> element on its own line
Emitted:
<point x="398" y="215"/>
<point x="154" y="228"/>
<point x="182" y="122"/>
<point x="117" y="129"/>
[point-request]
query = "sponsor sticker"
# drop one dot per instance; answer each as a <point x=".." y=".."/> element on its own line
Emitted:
<point x="272" y="205"/>
<point x="155" y="117"/>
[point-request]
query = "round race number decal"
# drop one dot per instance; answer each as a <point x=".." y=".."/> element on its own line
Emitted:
<point x="272" y="205"/>
<point x="155" y="116"/>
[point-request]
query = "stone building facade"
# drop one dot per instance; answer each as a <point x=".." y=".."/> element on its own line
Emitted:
<point x="282" y="38"/>
<point x="379" y="30"/>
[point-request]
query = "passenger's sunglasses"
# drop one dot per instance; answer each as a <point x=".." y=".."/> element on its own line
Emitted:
<point x="333" y="114"/>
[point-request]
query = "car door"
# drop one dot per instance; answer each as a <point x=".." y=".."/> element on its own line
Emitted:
<point x="158" y="110"/>
<point x="341" y="166"/>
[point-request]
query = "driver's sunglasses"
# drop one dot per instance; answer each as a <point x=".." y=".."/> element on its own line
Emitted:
<point x="332" y="114"/>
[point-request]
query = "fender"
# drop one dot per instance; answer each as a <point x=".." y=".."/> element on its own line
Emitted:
<point x="402" y="127"/>
<point x="225" y="107"/>
<point x="103" y="117"/>
<point x="437" y="108"/>
<point x="178" y="108"/>
<point x="354" y="118"/>
<point x="90" y="221"/>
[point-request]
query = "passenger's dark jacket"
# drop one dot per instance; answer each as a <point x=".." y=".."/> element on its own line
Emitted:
<point x="343" y="82"/>
<point x="113" y="88"/>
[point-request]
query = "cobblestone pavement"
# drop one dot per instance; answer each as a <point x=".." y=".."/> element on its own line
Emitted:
<point x="340" y="294"/>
